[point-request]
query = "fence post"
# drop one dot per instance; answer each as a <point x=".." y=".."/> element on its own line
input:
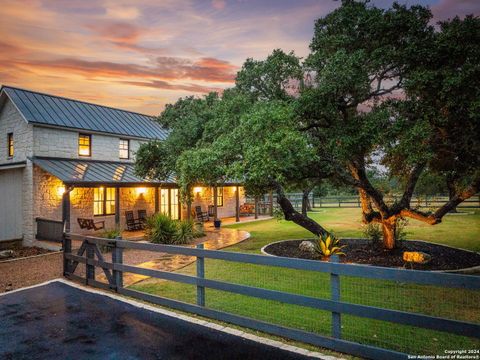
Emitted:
<point x="200" y="274"/>
<point x="67" y="249"/>
<point x="90" y="269"/>
<point x="335" y="291"/>
<point x="117" y="258"/>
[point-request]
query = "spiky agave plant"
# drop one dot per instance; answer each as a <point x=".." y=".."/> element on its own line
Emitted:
<point x="328" y="245"/>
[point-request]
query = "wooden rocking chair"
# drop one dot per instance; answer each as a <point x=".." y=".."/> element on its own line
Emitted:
<point x="132" y="223"/>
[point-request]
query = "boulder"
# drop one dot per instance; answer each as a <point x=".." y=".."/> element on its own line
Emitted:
<point x="307" y="246"/>
<point x="416" y="257"/>
<point x="5" y="254"/>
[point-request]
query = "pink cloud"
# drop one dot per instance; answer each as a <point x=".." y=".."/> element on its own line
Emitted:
<point x="218" y="4"/>
<point x="446" y="9"/>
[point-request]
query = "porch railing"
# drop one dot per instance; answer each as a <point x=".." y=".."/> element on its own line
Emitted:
<point x="90" y="255"/>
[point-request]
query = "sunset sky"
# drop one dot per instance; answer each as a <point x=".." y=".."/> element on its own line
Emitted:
<point x="140" y="55"/>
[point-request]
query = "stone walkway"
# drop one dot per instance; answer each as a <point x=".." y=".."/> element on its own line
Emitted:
<point x="214" y="240"/>
<point x="19" y="273"/>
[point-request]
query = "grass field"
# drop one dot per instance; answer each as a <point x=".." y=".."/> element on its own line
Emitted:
<point x="458" y="230"/>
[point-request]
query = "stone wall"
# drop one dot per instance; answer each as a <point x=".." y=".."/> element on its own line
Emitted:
<point x="11" y="121"/>
<point x="205" y="198"/>
<point x="62" y="143"/>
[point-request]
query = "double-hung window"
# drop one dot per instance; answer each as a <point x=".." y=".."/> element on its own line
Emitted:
<point x="219" y="196"/>
<point x="103" y="201"/>
<point x="84" y="145"/>
<point x="124" y="149"/>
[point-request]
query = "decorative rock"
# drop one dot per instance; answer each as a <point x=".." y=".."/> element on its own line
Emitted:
<point x="5" y="254"/>
<point x="307" y="246"/>
<point x="416" y="257"/>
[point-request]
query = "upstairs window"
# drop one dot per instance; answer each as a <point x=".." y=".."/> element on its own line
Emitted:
<point x="84" y="145"/>
<point x="103" y="201"/>
<point x="10" y="144"/>
<point x="124" y="149"/>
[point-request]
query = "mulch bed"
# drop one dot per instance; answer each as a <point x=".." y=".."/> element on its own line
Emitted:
<point x="21" y="252"/>
<point x="364" y="252"/>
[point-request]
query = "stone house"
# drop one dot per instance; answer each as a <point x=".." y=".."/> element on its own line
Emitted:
<point x="62" y="160"/>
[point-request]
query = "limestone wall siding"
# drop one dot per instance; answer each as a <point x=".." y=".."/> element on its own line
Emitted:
<point x="205" y="198"/>
<point x="62" y="143"/>
<point x="11" y="121"/>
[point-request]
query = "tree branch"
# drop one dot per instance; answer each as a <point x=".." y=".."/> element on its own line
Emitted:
<point x="410" y="187"/>
<point x="292" y="215"/>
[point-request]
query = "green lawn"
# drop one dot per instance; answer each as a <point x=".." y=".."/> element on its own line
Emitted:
<point x="459" y="231"/>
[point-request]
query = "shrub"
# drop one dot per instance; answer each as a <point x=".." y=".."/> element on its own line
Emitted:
<point x="160" y="229"/>
<point x="400" y="232"/>
<point x="185" y="232"/>
<point x="198" y="230"/>
<point x="328" y="245"/>
<point x="111" y="234"/>
<point x="373" y="232"/>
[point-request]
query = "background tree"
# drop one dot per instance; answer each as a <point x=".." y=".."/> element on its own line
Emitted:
<point x="382" y="91"/>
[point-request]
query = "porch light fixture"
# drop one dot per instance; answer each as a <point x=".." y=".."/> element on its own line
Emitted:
<point x="141" y="190"/>
<point x="60" y="190"/>
<point x="197" y="189"/>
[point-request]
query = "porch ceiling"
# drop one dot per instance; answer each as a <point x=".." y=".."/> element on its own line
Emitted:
<point x="92" y="172"/>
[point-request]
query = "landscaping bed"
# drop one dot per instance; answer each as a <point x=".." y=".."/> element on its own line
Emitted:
<point x="22" y="252"/>
<point x="362" y="251"/>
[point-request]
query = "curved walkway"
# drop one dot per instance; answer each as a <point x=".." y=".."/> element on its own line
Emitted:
<point x="214" y="240"/>
<point x="30" y="271"/>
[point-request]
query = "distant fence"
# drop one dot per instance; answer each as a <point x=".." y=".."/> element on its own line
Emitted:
<point x="340" y="307"/>
<point x="352" y="201"/>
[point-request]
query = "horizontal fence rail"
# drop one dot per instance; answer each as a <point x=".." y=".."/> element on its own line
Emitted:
<point x="352" y="201"/>
<point x="114" y="272"/>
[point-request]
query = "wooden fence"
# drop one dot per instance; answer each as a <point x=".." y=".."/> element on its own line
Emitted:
<point x="354" y="202"/>
<point x="90" y="255"/>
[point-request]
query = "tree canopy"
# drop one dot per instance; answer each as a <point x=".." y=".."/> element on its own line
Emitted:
<point x="380" y="89"/>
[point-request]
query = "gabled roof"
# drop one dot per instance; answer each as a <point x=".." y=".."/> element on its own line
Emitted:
<point x="94" y="172"/>
<point x="50" y="110"/>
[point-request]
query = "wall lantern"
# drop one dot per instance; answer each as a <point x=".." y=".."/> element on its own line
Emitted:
<point x="141" y="190"/>
<point x="60" y="190"/>
<point x="197" y="189"/>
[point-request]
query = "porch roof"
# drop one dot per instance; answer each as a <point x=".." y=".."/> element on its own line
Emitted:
<point x="86" y="173"/>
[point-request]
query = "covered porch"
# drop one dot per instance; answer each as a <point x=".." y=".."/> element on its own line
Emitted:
<point x="72" y="192"/>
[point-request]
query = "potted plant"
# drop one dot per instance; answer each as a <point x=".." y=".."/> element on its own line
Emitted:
<point x="217" y="223"/>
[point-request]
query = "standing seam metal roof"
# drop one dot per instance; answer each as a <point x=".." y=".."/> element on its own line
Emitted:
<point x="53" y="110"/>
<point x="72" y="171"/>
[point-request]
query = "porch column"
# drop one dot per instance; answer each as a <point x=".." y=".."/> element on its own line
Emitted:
<point x="189" y="203"/>
<point x="66" y="208"/>
<point x="215" y="198"/>
<point x="117" y="208"/>
<point x="237" y="204"/>
<point x="156" y="200"/>
<point x="270" y="197"/>
<point x="256" y="207"/>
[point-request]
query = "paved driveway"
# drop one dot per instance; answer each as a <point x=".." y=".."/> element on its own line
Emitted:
<point x="58" y="321"/>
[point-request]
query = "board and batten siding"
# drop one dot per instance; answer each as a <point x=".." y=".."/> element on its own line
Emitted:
<point x="11" y="216"/>
<point x="16" y="212"/>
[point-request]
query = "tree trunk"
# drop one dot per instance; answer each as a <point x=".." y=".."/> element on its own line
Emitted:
<point x="293" y="215"/>
<point x="306" y="202"/>
<point x="388" y="228"/>
<point x="451" y="194"/>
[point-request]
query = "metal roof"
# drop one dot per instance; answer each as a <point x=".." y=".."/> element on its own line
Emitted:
<point x="43" y="109"/>
<point x="92" y="172"/>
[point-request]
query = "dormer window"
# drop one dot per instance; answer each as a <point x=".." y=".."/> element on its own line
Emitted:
<point x="10" y="144"/>
<point x="84" y="145"/>
<point x="124" y="149"/>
